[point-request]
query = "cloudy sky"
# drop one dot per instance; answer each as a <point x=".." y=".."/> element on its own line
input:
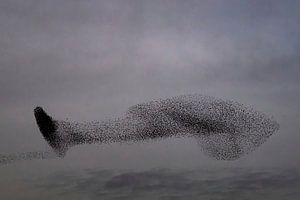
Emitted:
<point x="91" y="60"/>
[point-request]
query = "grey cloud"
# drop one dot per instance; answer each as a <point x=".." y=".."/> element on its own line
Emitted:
<point x="176" y="184"/>
<point x="74" y="47"/>
<point x="97" y="58"/>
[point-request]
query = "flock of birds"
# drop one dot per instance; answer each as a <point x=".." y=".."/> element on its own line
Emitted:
<point x="224" y="130"/>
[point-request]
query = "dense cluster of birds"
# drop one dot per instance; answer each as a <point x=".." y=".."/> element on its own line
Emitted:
<point x="225" y="130"/>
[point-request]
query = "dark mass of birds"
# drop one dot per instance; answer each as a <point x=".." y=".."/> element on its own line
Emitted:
<point x="224" y="130"/>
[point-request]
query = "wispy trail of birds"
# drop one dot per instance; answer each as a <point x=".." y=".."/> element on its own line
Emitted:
<point x="34" y="155"/>
<point x="225" y="130"/>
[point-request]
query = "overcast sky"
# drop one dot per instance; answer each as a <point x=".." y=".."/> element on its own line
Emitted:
<point x="92" y="59"/>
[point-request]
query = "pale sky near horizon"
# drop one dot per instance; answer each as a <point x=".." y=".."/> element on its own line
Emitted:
<point x="91" y="60"/>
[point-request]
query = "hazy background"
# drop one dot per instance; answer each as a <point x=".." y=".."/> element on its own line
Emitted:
<point x="91" y="60"/>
